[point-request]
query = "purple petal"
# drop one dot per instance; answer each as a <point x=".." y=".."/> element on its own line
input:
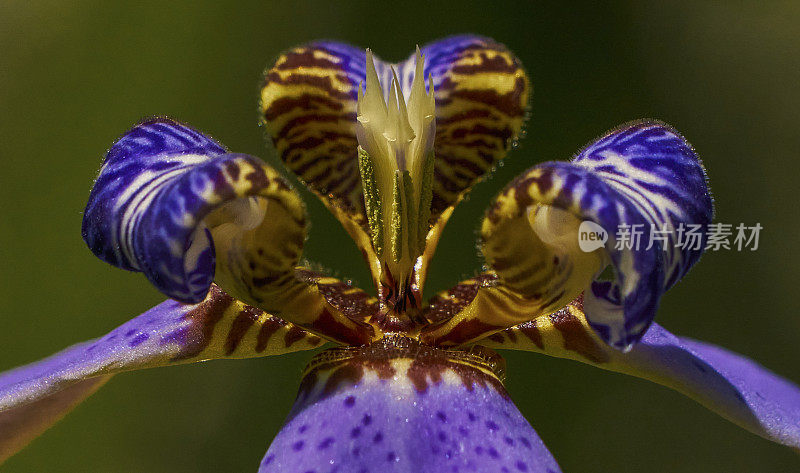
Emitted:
<point x="729" y="384"/>
<point x="640" y="177"/>
<point x="36" y="395"/>
<point x="732" y="385"/>
<point x="20" y="425"/>
<point x="147" y="211"/>
<point x="416" y="415"/>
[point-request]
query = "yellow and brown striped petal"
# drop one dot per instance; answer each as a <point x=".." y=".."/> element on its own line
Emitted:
<point x="308" y="106"/>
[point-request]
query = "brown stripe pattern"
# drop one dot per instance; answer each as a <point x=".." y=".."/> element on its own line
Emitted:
<point x="482" y="95"/>
<point x="222" y="327"/>
<point x="564" y="333"/>
<point x="404" y="359"/>
<point x="308" y="107"/>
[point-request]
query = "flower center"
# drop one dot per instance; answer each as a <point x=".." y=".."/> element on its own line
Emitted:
<point x="395" y="136"/>
<point x="403" y="362"/>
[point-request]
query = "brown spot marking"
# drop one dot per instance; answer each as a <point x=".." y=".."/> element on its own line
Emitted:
<point x="304" y="57"/>
<point x="339" y="373"/>
<point x="270" y="326"/>
<point x="462" y="332"/>
<point x="195" y="336"/>
<point x="428" y="366"/>
<point x="352" y="334"/>
<point x="576" y="338"/>
<point x="323" y="83"/>
<point x="243" y="321"/>
<point x="531" y="330"/>
<point x="510" y="103"/>
<point x="445" y="305"/>
<point x="351" y="301"/>
<point x="305" y="101"/>
<point x="294" y="334"/>
<point x="342" y="367"/>
<point x="233" y="170"/>
<point x="499" y="64"/>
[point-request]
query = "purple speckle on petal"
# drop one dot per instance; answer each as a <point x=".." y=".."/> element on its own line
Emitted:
<point x="442" y="436"/>
<point x="521" y="466"/>
<point x="391" y="457"/>
<point x="471" y="416"/>
<point x="303" y="428"/>
<point x="326" y="442"/>
<point x="355" y="432"/>
<point x="377" y="438"/>
<point x="297" y="446"/>
<point x="268" y="459"/>
<point x="441" y="416"/>
<point x="350" y="401"/>
<point x="509" y="441"/>
<point x="491" y="425"/>
<point x="139" y="339"/>
<point x="525" y="442"/>
<point x="493" y="453"/>
<point x="367" y="419"/>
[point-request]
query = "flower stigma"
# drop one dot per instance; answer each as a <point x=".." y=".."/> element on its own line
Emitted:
<point x="395" y="130"/>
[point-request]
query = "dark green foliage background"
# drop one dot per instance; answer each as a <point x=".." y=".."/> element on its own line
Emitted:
<point x="74" y="75"/>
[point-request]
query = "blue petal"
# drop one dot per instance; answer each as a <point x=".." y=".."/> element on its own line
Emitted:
<point x="645" y="173"/>
<point x="34" y="396"/>
<point x="418" y="414"/>
<point x="639" y="177"/>
<point x="147" y="208"/>
<point x="733" y="386"/>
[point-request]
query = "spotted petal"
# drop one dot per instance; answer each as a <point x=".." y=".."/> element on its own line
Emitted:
<point x="388" y="411"/>
<point x="308" y="105"/>
<point x="729" y="384"/>
<point x="34" y="396"/>
<point x="642" y="177"/>
<point x="174" y="204"/>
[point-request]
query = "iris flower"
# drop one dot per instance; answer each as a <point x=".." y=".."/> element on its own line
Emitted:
<point x="407" y="385"/>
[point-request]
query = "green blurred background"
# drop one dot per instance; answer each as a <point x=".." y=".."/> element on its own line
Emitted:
<point x="74" y="75"/>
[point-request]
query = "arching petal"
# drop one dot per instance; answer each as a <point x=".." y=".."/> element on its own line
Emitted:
<point x="172" y="203"/>
<point x="482" y="95"/>
<point x="308" y="105"/>
<point x="401" y="414"/>
<point x="34" y="396"/>
<point x="729" y="384"/>
<point x="308" y="108"/>
<point x="642" y="177"/>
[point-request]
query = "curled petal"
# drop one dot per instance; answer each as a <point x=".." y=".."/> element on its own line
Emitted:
<point x="482" y="94"/>
<point x="170" y="202"/>
<point x="729" y="384"/>
<point x="391" y="411"/>
<point x="34" y="396"/>
<point x="173" y="204"/>
<point x="642" y="178"/>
